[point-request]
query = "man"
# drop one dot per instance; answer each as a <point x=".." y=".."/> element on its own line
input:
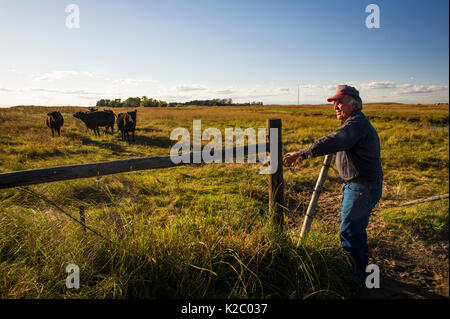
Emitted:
<point x="357" y="149"/>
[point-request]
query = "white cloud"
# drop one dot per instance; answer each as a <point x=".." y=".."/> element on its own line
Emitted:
<point x="189" y="88"/>
<point x="90" y="98"/>
<point x="400" y="88"/>
<point x="58" y="91"/>
<point x="173" y="98"/>
<point x="226" y="91"/>
<point x="258" y="94"/>
<point x="281" y="91"/>
<point x="311" y="86"/>
<point x="56" y="75"/>
<point x="404" y="86"/>
<point x="416" y="89"/>
<point x="61" y="74"/>
<point x="128" y="81"/>
<point x="379" y="85"/>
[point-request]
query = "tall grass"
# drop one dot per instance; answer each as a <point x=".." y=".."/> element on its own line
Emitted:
<point x="190" y="255"/>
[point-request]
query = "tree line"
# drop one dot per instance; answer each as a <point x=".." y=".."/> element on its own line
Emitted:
<point x="134" y="102"/>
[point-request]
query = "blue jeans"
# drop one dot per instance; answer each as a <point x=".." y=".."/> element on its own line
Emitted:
<point x="358" y="200"/>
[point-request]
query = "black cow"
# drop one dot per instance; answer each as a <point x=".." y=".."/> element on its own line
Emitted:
<point x="126" y="123"/>
<point x="97" y="118"/>
<point x="54" y="121"/>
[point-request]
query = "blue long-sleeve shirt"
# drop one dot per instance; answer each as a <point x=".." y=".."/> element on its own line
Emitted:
<point x="357" y="148"/>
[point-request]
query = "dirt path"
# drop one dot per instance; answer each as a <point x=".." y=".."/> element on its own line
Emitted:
<point x="409" y="269"/>
<point x="416" y="268"/>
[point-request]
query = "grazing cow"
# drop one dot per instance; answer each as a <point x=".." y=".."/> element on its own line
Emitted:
<point x="97" y="118"/>
<point x="54" y="121"/>
<point x="126" y="122"/>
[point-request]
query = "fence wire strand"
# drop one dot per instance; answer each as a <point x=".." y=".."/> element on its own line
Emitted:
<point x="26" y="190"/>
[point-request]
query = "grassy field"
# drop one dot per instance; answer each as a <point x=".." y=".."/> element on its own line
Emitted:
<point x="203" y="231"/>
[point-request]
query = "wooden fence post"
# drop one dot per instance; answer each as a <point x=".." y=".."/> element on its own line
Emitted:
<point x="276" y="183"/>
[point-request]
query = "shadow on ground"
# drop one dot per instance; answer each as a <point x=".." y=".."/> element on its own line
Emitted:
<point x="102" y="144"/>
<point x="391" y="288"/>
<point x="158" y="141"/>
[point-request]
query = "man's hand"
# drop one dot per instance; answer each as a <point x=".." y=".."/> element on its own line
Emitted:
<point x="291" y="157"/>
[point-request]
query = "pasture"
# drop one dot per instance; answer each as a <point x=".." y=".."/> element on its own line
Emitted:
<point x="203" y="231"/>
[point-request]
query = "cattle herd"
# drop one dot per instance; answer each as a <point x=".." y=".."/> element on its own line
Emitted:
<point x="93" y="119"/>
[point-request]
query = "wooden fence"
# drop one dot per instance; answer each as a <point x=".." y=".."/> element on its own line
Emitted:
<point x="60" y="173"/>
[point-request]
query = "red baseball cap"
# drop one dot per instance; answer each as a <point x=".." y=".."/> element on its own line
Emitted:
<point x="342" y="90"/>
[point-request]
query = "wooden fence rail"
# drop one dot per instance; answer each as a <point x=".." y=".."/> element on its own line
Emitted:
<point x="61" y="173"/>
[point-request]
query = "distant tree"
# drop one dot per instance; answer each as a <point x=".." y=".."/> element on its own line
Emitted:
<point x="149" y="102"/>
<point x="102" y="102"/>
<point x="115" y="103"/>
<point x="212" y="102"/>
<point x="118" y="103"/>
<point x="109" y="103"/>
<point x="132" y="102"/>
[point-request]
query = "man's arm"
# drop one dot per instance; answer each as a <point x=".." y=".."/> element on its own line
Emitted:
<point x="340" y="140"/>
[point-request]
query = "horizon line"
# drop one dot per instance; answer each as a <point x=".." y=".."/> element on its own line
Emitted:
<point x="271" y="104"/>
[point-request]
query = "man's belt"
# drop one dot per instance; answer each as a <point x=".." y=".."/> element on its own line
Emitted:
<point x="364" y="181"/>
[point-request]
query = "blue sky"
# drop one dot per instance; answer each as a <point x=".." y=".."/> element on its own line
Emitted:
<point x="201" y="49"/>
